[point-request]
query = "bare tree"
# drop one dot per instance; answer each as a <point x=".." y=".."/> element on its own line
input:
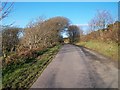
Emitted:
<point x="44" y="33"/>
<point x="103" y="18"/>
<point x="92" y="25"/>
<point x="100" y="22"/>
<point x="5" y="9"/>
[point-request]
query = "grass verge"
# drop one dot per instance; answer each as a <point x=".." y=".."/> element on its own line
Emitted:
<point x="109" y="49"/>
<point x="23" y="75"/>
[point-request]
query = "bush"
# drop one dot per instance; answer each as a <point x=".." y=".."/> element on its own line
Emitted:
<point x="109" y="34"/>
<point x="23" y="56"/>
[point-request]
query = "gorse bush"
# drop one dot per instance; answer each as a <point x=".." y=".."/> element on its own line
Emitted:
<point x="25" y="56"/>
<point x="108" y="34"/>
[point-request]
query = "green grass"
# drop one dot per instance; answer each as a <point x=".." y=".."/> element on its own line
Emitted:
<point x="23" y="75"/>
<point x="108" y="48"/>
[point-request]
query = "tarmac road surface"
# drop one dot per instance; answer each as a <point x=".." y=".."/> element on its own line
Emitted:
<point x="78" y="67"/>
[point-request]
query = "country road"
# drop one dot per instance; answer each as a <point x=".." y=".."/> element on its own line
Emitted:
<point x="78" y="67"/>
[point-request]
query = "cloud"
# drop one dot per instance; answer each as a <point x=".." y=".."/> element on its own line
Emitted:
<point x="81" y="25"/>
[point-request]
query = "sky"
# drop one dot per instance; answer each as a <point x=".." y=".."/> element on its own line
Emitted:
<point x="79" y="13"/>
<point x="60" y="0"/>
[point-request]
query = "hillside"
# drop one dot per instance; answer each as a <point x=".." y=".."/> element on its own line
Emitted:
<point x="104" y="41"/>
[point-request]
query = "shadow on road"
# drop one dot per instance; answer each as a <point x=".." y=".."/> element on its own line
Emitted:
<point x="98" y="56"/>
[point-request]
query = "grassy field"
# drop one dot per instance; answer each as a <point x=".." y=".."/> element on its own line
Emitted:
<point x="23" y="75"/>
<point x="109" y="49"/>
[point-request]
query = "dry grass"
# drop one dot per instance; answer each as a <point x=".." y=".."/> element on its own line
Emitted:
<point x="109" y="49"/>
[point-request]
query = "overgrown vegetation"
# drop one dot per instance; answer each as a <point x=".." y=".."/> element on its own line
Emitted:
<point x="107" y="34"/>
<point x="24" y="44"/>
<point x="103" y="36"/>
<point x="26" y="51"/>
<point x="22" y="73"/>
